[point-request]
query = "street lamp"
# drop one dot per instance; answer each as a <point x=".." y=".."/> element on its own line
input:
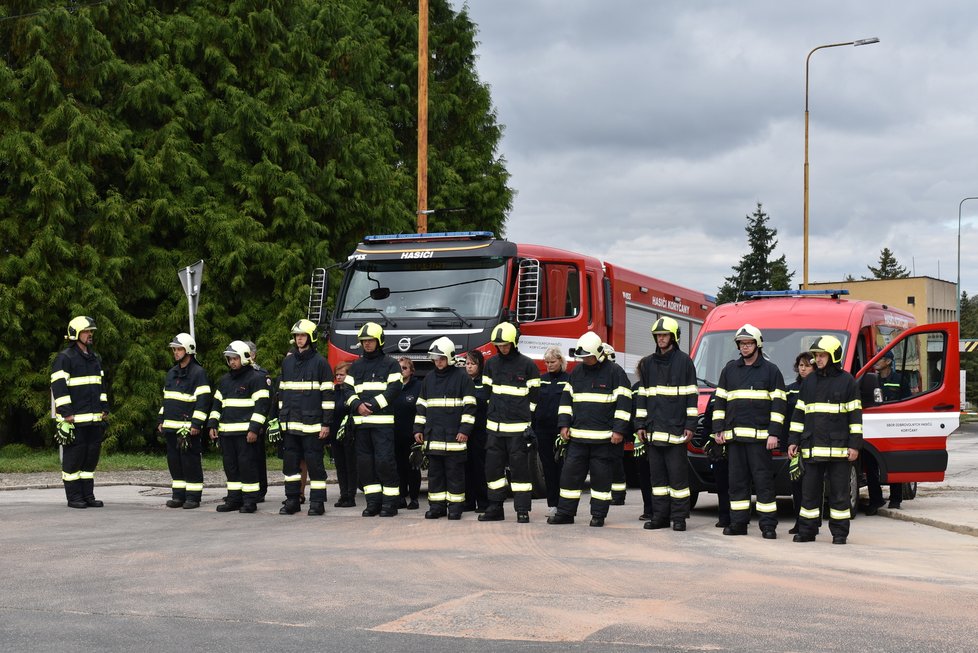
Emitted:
<point x="869" y="41"/>
<point x="959" y="257"/>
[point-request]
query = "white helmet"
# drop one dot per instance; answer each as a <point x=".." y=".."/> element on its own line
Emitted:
<point x="589" y="345"/>
<point x="609" y="351"/>
<point x="240" y="349"/>
<point x="442" y="347"/>
<point x="749" y="332"/>
<point x="186" y="341"/>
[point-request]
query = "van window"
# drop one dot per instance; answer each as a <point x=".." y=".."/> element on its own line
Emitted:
<point x="914" y="367"/>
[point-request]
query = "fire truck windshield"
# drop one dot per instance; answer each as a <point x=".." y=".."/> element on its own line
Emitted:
<point x="472" y="288"/>
<point x="780" y="347"/>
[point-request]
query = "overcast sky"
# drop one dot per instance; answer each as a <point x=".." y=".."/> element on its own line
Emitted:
<point x="644" y="132"/>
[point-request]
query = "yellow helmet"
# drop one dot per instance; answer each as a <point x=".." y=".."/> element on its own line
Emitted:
<point x="830" y="345"/>
<point x="505" y="332"/>
<point x="186" y="341"/>
<point x="371" y="330"/>
<point x="240" y="349"/>
<point x="79" y="324"/>
<point x="666" y="325"/>
<point x="589" y="345"/>
<point x="442" y="347"/>
<point x="307" y="327"/>
<point x="749" y="332"/>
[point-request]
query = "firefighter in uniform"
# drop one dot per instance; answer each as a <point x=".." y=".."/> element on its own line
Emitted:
<point x="183" y="415"/>
<point x="239" y="411"/>
<point x="666" y="417"/>
<point x="619" y="480"/>
<point x="595" y="416"/>
<point x="827" y="431"/>
<point x="749" y="415"/>
<point x="375" y="379"/>
<point x="444" y="421"/>
<point x="82" y="408"/>
<point x="305" y="412"/>
<point x="514" y="383"/>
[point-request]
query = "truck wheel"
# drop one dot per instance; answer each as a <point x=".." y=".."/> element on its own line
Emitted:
<point x="693" y="496"/>
<point x="909" y="491"/>
<point x="853" y="490"/>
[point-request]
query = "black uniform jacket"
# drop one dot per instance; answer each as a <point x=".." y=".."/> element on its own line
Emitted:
<point x="828" y="417"/>
<point x="186" y="397"/>
<point x="305" y="393"/>
<point x="666" y="404"/>
<point x="596" y="403"/>
<point x="750" y="401"/>
<point x="241" y="402"/>
<point x="514" y="381"/>
<point x="548" y="404"/>
<point x="446" y="407"/>
<point x="76" y="383"/>
<point x="376" y="380"/>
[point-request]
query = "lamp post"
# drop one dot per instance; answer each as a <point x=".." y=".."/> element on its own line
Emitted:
<point x="868" y="41"/>
<point x="958" y="284"/>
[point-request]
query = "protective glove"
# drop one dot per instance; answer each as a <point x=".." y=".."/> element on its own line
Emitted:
<point x="183" y="437"/>
<point x="639" y="448"/>
<point x="714" y="452"/>
<point x="417" y="457"/>
<point x="64" y="433"/>
<point x="274" y="430"/>
<point x="796" y="468"/>
<point x="529" y="438"/>
<point x="560" y="449"/>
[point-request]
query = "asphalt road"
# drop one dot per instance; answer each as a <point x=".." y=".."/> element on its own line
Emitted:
<point x="137" y="576"/>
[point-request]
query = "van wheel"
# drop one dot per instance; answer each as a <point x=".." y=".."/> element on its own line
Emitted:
<point x="909" y="491"/>
<point x="853" y="490"/>
<point x="693" y="496"/>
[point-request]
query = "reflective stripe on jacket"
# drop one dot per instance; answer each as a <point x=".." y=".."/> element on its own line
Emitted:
<point x="76" y="385"/>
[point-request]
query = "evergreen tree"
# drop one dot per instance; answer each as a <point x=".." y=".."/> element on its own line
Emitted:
<point x="264" y="137"/>
<point x="969" y="361"/>
<point x="888" y="268"/>
<point x="756" y="270"/>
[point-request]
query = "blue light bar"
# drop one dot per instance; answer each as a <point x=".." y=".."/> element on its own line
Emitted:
<point x="448" y="235"/>
<point x="761" y="294"/>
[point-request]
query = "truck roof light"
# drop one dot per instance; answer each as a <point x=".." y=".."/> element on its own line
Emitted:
<point x="448" y="235"/>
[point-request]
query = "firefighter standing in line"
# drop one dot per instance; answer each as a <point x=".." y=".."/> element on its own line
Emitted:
<point x="376" y="381"/>
<point x="545" y="419"/>
<point x="514" y="381"/>
<point x="82" y="410"/>
<point x="261" y="452"/>
<point x="666" y="418"/>
<point x="749" y="415"/>
<point x="619" y="481"/>
<point x="305" y="412"/>
<point x="183" y="415"/>
<point x="595" y="416"/>
<point x="343" y="444"/>
<point x="239" y="412"/>
<point x="444" y="420"/>
<point x="827" y="431"/>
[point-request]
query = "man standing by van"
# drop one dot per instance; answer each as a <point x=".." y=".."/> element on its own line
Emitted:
<point x="749" y="415"/>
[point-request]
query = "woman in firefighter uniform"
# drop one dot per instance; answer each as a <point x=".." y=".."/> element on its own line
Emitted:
<point x="666" y="418"/>
<point x="375" y="379"/>
<point x="443" y="423"/>
<point x="514" y="382"/>
<point x="595" y="416"/>
<point x="183" y="415"/>
<point x="748" y="413"/>
<point x="81" y="408"/>
<point x="239" y="411"/>
<point x="476" y="493"/>
<point x="305" y="412"/>
<point x="552" y="386"/>
<point x="827" y="431"/>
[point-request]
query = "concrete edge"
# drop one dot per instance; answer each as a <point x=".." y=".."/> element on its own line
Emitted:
<point x="927" y="521"/>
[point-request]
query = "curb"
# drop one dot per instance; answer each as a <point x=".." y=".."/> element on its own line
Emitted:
<point x="927" y="521"/>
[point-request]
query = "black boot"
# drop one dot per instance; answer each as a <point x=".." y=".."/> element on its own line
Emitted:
<point x="290" y="507"/>
<point x="493" y="513"/>
<point x="560" y="518"/>
<point x="88" y="491"/>
<point x="74" y="496"/>
<point x="316" y="508"/>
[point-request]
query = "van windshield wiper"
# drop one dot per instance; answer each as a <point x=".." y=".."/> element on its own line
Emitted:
<point x="387" y="320"/>
<point x="441" y="309"/>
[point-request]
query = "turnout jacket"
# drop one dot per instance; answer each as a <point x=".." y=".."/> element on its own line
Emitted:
<point x="375" y="379"/>
<point x="750" y="401"/>
<point x="596" y="403"/>
<point x="186" y="397"/>
<point x="548" y="403"/>
<point x="76" y="385"/>
<point x="305" y="393"/>
<point x="514" y="383"/>
<point x="241" y="402"/>
<point x="828" y="417"/>
<point x="446" y="407"/>
<point x="666" y="403"/>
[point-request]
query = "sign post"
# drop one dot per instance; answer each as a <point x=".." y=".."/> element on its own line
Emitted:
<point x="191" y="278"/>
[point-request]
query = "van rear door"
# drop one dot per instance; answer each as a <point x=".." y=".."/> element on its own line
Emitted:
<point x="920" y="403"/>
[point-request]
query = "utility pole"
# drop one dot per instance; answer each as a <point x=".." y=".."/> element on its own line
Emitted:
<point x="422" y="215"/>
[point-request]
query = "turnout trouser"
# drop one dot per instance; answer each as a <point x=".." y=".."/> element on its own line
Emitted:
<point x="619" y="486"/>
<point x="476" y="492"/>
<point x="503" y="450"/>
<point x="299" y="446"/>
<point x="751" y="462"/>
<point x="551" y="468"/>
<point x="78" y="462"/>
<point x="345" y="459"/>
<point x="409" y="479"/>
<point x="446" y="481"/>
<point x="241" y="468"/>
<point x="185" y="467"/>
<point x="599" y="459"/>
<point x="669" y="473"/>
<point x="812" y="491"/>
<point x="376" y="467"/>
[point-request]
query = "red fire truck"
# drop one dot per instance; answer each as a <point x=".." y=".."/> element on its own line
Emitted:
<point x="420" y="287"/>
<point x="906" y="435"/>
